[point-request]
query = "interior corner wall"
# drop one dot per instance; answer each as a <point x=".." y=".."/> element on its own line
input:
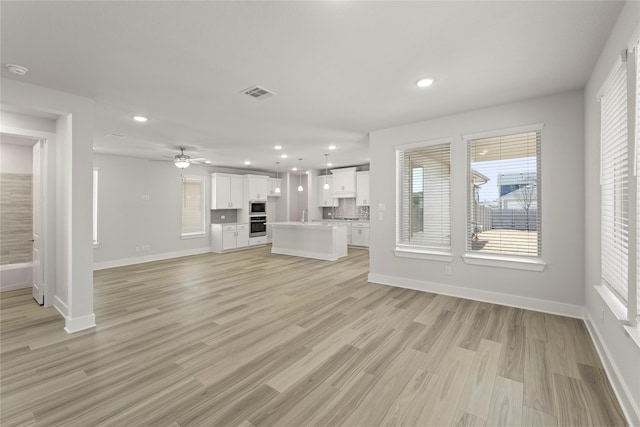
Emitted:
<point x="129" y="221"/>
<point x="559" y="288"/>
<point x="620" y="352"/>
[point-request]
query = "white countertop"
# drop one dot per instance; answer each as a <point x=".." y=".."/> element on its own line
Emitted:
<point x="300" y="224"/>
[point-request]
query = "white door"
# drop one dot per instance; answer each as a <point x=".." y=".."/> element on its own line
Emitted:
<point x="38" y="290"/>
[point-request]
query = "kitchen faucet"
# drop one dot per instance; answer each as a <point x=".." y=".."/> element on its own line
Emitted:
<point x="304" y="212"/>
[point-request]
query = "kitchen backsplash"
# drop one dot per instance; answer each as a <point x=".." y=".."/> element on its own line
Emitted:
<point x="347" y="209"/>
<point x="230" y="215"/>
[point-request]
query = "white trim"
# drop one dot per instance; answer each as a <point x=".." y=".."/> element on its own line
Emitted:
<point x="80" y="323"/>
<point x="16" y="276"/>
<point x="535" y="304"/>
<point x="14" y="286"/>
<point x="420" y="144"/>
<point x="622" y="392"/>
<point x="196" y="235"/>
<point x="421" y="253"/>
<point x="505" y="262"/>
<point x="535" y="127"/>
<point x="61" y="306"/>
<point x="618" y="63"/>
<point x="149" y="258"/>
<point x="616" y="306"/>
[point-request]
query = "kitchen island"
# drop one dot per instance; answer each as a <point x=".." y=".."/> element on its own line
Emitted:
<point x="309" y="239"/>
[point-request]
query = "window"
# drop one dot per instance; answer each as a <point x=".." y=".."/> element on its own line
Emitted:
<point x="504" y="208"/>
<point x="95" y="207"/>
<point x="614" y="183"/>
<point x="424" y="200"/>
<point x="193" y="206"/>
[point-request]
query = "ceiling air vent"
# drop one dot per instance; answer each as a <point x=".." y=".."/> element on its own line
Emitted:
<point x="258" y="92"/>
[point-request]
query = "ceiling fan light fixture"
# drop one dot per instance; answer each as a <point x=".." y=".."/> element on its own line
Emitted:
<point x="182" y="161"/>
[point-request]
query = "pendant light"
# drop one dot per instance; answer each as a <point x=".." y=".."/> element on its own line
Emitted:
<point x="277" y="190"/>
<point x="300" y="177"/>
<point x="326" y="171"/>
<point x="181" y="160"/>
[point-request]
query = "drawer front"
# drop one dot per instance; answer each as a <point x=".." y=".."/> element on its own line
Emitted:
<point x="243" y="226"/>
<point x="229" y="227"/>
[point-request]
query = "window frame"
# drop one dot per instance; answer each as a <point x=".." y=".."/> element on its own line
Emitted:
<point x="404" y="250"/>
<point x="518" y="262"/>
<point x="94" y="212"/>
<point x="202" y="232"/>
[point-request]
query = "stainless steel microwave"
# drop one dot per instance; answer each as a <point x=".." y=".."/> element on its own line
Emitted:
<point x="257" y="208"/>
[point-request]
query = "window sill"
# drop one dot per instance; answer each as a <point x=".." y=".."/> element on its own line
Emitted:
<point x="420" y="253"/>
<point x="193" y="235"/>
<point x="619" y="312"/>
<point x="505" y="262"/>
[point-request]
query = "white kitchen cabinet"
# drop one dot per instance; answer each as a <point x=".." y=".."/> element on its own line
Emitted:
<point x="226" y="191"/>
<point x="360" y="234"/>
<point x="325" y="197"/>
<point x="344" y="182"/>
<point x="273" y="184"/>
<point x="227" y="237"/>
<point x="256" y="187"/>
<point x="362" y="188"/>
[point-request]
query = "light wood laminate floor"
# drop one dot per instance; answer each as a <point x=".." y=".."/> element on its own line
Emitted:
<point x="255" y="339"/>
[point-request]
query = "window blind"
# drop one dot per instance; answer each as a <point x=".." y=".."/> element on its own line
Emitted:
<point x="614" y="167"/>
<point x="504" y="209"/>
<point x="637" y="125"/>
<point x="192" y="205"/>
<point x="425" y="196"/>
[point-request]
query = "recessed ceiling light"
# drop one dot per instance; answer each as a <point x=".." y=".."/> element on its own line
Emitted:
<point x="247" y="162"/>
<point x="284" y="156"/>
<point x="332" y="147"/>
<point x="277" y="147"/>
<point x="208" y="162"/>
<point x="294" y="168"/>
<point x="329" y="164"/>
<point x="17" y="69"/>
<point x="140" y="119"/>
<point x="425" y="82"/>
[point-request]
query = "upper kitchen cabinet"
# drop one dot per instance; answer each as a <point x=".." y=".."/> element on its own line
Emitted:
<point x="362" y="188"/>
<point x="344" y="182"/>
<point x="256" y="187"/>
<point x="325" y="196"/>
<point x="273" y="184"/>
<point x="226" y="191"/>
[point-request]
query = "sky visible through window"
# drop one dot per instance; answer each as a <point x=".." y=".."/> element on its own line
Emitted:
<point x="489" y="192"/>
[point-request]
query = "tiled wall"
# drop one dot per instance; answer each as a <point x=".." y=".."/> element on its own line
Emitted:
<point x="15" y="218"/>
<point x="347" y="209"/>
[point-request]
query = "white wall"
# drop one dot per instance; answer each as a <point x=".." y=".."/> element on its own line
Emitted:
<point x="559" y="288"/>
<point x="126" y="221"/>
<point x="16" y="158"/>
<point x="621" y="353"/>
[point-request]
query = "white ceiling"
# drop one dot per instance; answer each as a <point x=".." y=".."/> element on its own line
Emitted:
<point x="340" y="69"/>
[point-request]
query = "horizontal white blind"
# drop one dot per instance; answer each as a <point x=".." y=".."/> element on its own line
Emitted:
<point x="504" y="210"/>
<point x="192" y="205"/>
<point x="425" y="199"/>
<point x="614" y="166"/>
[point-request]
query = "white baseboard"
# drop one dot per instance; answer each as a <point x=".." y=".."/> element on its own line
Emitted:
<point x="14" y="286"/>
<point x="629" y="407"/>
<point x="148" y="258"/>
<point x="534" y="304"/>
<point x="61" y="306"/>
<point x="79" y="323"/>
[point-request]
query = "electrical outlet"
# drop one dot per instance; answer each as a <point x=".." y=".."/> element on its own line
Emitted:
<point x="447" y="270"/>
<point x="222" y="217"/>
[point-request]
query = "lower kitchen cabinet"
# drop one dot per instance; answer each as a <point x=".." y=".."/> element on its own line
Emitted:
<point x="360" y="234"/>
<point x="227" y="237"/>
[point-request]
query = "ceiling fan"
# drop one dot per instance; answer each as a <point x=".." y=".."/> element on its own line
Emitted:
<point x="183" y="161"/>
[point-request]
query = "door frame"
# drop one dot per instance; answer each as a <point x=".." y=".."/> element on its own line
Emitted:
<point x="46" y="206"/>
